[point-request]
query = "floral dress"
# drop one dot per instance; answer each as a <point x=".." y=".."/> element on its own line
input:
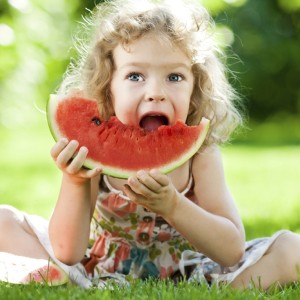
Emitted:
<point x="128" y="239"/>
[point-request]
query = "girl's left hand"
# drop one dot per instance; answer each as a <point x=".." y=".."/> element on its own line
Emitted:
<point x="153" y="190"/>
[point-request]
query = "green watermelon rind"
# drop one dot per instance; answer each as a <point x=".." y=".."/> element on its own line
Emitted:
<point x="50" y="109"/>
<point x="122" y="173"/>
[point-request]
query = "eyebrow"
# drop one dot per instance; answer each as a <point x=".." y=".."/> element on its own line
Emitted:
<point x="168" y="65"/>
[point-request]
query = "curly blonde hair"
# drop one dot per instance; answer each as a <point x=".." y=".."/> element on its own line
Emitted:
<point x="186" y="25"/>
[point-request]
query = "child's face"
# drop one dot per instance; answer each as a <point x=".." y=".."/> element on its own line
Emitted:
<point x="152" y="84"/>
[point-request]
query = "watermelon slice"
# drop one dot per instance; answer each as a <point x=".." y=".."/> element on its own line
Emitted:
<point x="22" y="270"/>
<point x="121" y="150"/>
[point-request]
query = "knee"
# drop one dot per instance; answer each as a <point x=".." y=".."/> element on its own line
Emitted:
<point x="286" y="250"/>
<point x="9" y="216"/>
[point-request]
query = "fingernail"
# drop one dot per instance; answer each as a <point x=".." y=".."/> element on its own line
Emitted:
<point x="74" y="142"/>
<point x="131" y="180"/>
<point x="153" y="171"/>
<point x="84" y="149"/>
<point x="141" y="173"/>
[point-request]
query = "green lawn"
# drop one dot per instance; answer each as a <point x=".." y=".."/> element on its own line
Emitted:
<point x="265" y="183"/>
<point x="263" y="177"/>
<point x="29" y="179"/>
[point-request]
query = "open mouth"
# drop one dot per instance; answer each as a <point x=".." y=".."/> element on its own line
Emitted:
<point x="152" y="122"/>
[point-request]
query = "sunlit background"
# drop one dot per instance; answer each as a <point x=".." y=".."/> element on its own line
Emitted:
<point x="262" y="39"/>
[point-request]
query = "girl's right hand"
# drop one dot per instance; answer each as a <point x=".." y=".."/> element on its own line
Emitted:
<point x="70" y="160"/>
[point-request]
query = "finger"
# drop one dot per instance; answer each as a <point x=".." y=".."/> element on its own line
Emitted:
<point x="133" y="196"/>
<point x="77" y="162"/>
<point x="67" y="153"/>
<point x="148" y="181"/>
<point x="139" y="188"/>
<point x="161" y="178"/>
<point x="91" y="173"/>
<point x="58" y="147"/>
<point x="134" y="184"/>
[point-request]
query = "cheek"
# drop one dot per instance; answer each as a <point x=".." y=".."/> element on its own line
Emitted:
<point x="117" y="98"/>
<point x="183" y="104"/>
<point x="183" y="114"/>
<point x="123" y="112"/>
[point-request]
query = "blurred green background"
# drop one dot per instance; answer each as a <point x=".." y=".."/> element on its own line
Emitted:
<point x="262" y="163"/>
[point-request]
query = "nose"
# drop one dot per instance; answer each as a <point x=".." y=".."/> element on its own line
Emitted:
<point x="155" y="92"/>
<point x="156" y="98"/>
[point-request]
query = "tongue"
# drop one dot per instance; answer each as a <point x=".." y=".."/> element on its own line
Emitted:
<point x="150" y="123"/>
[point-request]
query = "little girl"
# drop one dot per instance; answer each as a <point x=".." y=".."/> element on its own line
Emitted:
<point x="150" y="64"/>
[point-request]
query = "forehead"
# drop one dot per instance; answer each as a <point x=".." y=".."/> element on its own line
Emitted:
<point x="149" y="50"/>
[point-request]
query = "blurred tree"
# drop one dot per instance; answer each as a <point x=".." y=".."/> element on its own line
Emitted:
<point x="266" y="39"/>
<point x="35" y="41"/>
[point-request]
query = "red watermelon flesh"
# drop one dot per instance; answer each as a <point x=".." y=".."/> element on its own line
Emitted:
<point x="121" y="150"/>
<point x="49" y="274"/>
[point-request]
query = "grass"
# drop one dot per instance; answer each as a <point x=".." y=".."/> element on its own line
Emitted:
<point x="263" y="175"/>
<point x="264" y="181"/>
<point x="139" y="290"/>
<point x="29" y="179"/>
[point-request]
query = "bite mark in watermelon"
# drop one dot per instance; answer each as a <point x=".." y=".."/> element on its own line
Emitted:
<point x="121" y="150"/>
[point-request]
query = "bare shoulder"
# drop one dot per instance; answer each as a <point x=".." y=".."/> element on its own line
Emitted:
<point x="210" y="160"/>
<point x="208" y="173"/>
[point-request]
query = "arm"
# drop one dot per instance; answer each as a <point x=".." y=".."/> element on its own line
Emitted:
<point x="69" y="224"/>
<point x="212" y="225"/>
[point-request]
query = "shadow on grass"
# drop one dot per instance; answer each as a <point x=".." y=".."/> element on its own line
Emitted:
<point x="264" y="228"/>
<point x="256" y="227"/>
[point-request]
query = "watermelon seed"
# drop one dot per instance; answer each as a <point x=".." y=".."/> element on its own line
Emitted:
<point x="96" y="121"/>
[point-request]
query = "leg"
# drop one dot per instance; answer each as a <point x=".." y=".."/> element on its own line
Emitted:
<point x="280" y="265"/>
<point x="22" y="257"/>
<point x="16" y="237"/>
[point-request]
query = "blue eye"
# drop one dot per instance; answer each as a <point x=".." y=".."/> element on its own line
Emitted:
<point x="175" y="77"/>
<point x="135" y="77"/>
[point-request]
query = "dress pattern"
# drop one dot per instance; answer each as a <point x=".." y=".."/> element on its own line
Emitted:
<point x="127" y="239"/>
